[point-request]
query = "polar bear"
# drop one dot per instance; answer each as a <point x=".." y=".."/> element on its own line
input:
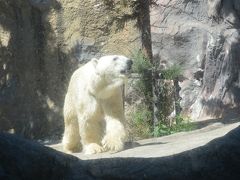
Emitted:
<point x="93" y="107"/>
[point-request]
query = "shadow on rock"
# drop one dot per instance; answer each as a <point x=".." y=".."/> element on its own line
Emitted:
<point x="229" y="117"/>
<point x="24" y="159"/>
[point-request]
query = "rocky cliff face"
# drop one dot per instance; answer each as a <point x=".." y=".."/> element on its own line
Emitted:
<point x="203" y="37"/>
<point x="41" y="43"/>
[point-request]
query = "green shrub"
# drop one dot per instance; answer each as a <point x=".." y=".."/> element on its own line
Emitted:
<point x="142" y="117"/>
<point x="143" y="86"/>
<point x="141" y="123"/>
<point x="141" y="63"/>
<point x="181" y="124"/>
<point x="172" y="72"/>
<point x="141" y="126"/>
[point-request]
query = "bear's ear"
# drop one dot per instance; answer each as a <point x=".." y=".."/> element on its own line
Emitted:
<point x="94" y="61"/>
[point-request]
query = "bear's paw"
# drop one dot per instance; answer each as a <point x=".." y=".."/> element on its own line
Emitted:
<point x="113" y="144"/>
<point x="93" y="148"/>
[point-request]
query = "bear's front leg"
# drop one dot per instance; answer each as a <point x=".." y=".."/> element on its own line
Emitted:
<point x="115" y="135"/>
<point x="91" y="131"/>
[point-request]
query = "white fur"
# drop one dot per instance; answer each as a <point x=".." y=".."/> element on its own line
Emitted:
<point x="93" y="107"/>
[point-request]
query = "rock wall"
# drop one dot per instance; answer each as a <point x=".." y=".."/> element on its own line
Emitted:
<point x="43" y="41"/>
<point x="41" y="44"/>
<point x="202" y="36"/>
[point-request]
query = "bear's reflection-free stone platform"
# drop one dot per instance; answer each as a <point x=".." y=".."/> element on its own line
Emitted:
<point x="218" y="159"/>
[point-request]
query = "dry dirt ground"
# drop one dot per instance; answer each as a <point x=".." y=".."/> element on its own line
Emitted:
<point x="167" y="145"/>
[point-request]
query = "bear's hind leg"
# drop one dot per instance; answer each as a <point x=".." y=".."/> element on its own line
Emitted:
<point x="71" y="138"/>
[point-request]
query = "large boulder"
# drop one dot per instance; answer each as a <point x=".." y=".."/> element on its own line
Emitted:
<point x="218" y="159"/>
<point x="202" y="36"/>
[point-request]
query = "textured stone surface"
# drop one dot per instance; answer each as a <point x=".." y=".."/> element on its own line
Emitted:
<point x="202" y="36"/>
<point x="41" y="43"/>
<point x="217" y="159"/>
<point x="165" y="146"/>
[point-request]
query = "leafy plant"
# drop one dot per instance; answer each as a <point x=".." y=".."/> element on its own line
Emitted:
<point x="141" y="64"/>
<point x="143" y="86"/>
<point x="172" y="72"/>
<point x="181" y="124"/>
<point x="142" y="125"/>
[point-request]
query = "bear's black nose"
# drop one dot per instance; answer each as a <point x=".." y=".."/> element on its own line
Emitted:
<point x="129" y="63"/>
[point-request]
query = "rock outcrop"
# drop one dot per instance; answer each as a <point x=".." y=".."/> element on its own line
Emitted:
<point x="218" y="159"/>
<point x="202" y="36"/>
<point x="41" y="43"/>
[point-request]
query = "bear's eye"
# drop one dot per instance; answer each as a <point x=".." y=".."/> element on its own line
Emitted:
<point x="115" y="58"/>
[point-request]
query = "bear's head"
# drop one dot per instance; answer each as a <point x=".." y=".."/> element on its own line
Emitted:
<point x="113" y="66"/>
<point x="110" y="73"/>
